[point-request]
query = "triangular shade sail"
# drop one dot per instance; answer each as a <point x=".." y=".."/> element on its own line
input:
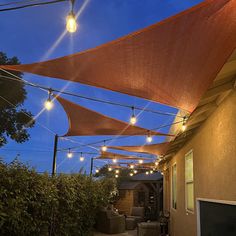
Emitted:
<point x="156" y="149"/>
<point x="112" y="155"/>
<point x="171" y="62"/>
<point x="86" y="122"/>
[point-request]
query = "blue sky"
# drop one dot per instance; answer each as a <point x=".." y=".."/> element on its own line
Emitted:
<point x="31" y="35"/>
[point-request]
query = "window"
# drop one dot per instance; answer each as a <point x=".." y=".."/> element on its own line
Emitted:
<point x="189" y="183"/>
<point x="174" y="187"/>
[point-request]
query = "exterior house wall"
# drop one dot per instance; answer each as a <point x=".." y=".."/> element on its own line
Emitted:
<point x="214" y="166"/>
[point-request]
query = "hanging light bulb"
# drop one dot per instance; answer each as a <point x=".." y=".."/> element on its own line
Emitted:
<point x="97" y="170"/>
<point x="147" y="173"/>
<point x="69" y="154"/>
<point x="81" y="157"/>
<point x="109" y="169"/>
<point x="133" y="119"/>
<point x="156" y="163"/>
<point x="104" y="147"/>
<point x="149" y="137"/>
<point x="117" y="171"/>
<point x="116" y="176"/>
<point x="71" y="24"/>
<point x="114" y="160"/>
<point x="135" y="171"/>
<point x="48" y="104"/>
<point x="184" y="124"/>
<point x="151" y="171"/>
<point x="140" y="161"/>
<point x="131" y="166"/>
<point x="131" y="174"/>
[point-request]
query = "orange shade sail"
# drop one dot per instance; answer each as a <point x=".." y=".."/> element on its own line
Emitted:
<point x="172" y="62"/>
<point x="86" y="122"/>
<point x="155" y="149"/>
<point x="112" y="155"/>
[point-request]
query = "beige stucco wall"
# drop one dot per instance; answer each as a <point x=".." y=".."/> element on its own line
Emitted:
<point x="214" y="160"/>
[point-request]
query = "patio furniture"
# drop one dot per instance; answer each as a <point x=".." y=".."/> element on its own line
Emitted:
<point x="110" y="222"/>
<point x="149" y="229"/>
<point x="138" y="214"/>
<point x="130" y="223"/>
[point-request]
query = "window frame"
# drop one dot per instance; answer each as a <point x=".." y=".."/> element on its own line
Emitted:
<point x="172" y="205"/>
<point x="186" y="182"/>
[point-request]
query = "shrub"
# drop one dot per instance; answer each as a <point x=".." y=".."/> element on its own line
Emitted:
<point x="34" y="204"/>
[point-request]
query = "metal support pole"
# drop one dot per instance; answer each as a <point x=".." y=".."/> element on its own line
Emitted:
<point x="91" y="167"/>
<point x="54" y="164"/>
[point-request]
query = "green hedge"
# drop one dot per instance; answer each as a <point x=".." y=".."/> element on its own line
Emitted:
<point x="36" y="204"/>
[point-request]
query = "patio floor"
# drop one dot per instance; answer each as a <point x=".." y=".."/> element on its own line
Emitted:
<point x="128" y="233"/>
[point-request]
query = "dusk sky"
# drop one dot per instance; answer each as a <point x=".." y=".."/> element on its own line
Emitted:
<point x="32" y="34"/>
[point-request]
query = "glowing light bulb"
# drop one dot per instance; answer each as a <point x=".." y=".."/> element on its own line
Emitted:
<point x="114" y="160"/>
<point x="97" y="170"/>
<point x="184" y="124"/>
<point x="116" y="176"/>
<point x="133" y="120"/>
<point x="48" y="104"/>
<point x="109" y="169"/>
<point x="135" y="171"/>
<point x="156" y="163"/>
<point x="151" y="171"/>
<point x="161" y="173"/>
<point x="71" y="24"/>
<point x="140" y="161"/>
<point x="69" y="154"/>
<point x="131" y="174"/>
<point x="117" y="171"/>
<point x="183" y="127"/>
<point x="81" y="159"/>
<point x="149" y="138"/>
<point x="147" y="173"/>
<point x="131" y="166"/>
<point x="104" y="147"/>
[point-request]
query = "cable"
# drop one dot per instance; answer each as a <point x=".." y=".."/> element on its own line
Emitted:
<point x="17" y="2"/>
<point x="87" y="98"/>
<point x="32" y="5"/>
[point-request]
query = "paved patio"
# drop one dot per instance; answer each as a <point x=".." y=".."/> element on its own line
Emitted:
<point x="128" y="233"/>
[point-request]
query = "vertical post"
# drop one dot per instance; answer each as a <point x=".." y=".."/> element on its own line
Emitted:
<point x="91" y="167"/>
<point x="54" y="164"/>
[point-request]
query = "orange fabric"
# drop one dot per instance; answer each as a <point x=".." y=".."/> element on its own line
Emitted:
<point x="156" y="149"/>
<point x="171" y="62"/>
<point x="112" y="155"/>
<point x="86" y="122"/>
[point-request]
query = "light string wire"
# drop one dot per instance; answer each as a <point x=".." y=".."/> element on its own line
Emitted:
<point x="31" y="5"/>
<point x="18" y="79"/>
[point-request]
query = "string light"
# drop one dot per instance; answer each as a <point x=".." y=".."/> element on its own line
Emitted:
<point x="69" y="154"/>
<point x="135" y="171"/>
<point x="131" y="174"/>
<point x="140" y="161"/>
<point x="149" y="137"/>
<point x="97" y="170"/>
<point x="147" y="173"/>
<point x="117" y="171"/>
<point x="184" y="124"/>
<point x="48" y="104"/>
<point x="131" y="166"/>
<point x="114" y="160"/>
<point x="133" y="119"/>
<point x="116" y="176"/>
<point x="81" y="157"/>
<point x="151" y="171"/>
<point x="156" y="163"/>
<point x="71" y="24"/>
<point x="104" y="147"/>
<point x="109" y="169"/>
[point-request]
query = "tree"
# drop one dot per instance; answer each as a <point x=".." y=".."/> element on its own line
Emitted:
<point x="14" y="120"/>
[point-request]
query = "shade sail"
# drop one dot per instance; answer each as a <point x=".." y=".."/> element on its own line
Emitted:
<point x="112" y="155"/>
<point x="171" y="62"/>
<point x="156" y="149"/>
<point x="86" y="122"/>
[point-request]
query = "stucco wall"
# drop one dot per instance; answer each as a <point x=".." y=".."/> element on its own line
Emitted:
<point x="214" y="160"/>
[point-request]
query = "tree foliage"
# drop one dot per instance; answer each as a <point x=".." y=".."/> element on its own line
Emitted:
<point x="14" y="120"/>
<point x="36" y="204"/>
